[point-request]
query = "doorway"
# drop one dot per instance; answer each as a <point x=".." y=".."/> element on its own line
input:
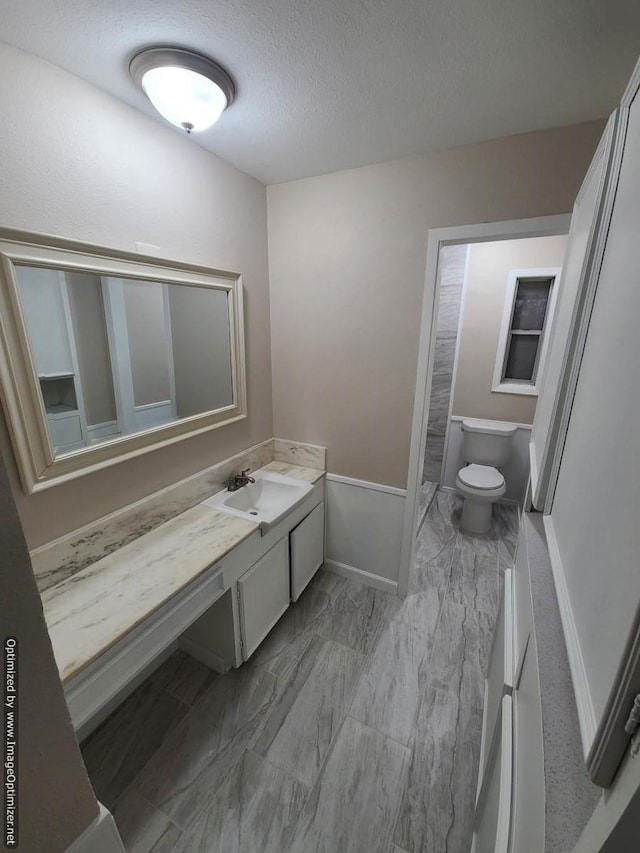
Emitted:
<point x="435" y="297"/>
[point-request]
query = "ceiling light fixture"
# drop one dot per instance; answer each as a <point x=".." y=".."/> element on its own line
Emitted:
<point x="187" y="88"/>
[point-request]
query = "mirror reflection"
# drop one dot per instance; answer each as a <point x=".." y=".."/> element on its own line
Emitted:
<point x="116" y="356"/>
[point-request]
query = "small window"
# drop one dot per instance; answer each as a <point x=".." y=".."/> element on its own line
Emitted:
<point x="527" y="313"/>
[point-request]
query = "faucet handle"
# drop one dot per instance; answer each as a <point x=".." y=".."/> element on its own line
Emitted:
<point x="245" y="472"/>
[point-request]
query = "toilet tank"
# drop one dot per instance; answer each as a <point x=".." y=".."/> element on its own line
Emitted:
<point x="487" y="442"/>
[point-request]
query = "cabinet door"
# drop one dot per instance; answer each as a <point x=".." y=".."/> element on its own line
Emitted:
<point x="263" y="594"/>
<point x="499" y="680"/>
<point x="528" y="812"/>
<point x="493" y="814"/>
<point x="522" y="607"/>
<point x="307" y="550"/>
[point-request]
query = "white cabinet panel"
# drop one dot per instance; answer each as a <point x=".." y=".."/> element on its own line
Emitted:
<point x="528" y="809"/>
<point x="493" y="813"/>
<point x="66" y="432"/>
<point x="522" y="605"/>
<point x="307" y="550"/>
<point x="43" y="302"/>
<point x="264" y="595"/>
<point x="499" y="680"/>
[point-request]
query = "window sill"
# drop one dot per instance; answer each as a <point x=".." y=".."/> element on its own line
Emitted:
<point x="515" y="388"/>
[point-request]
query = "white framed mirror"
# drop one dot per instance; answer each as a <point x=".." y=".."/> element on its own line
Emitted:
<point x="105" y="355"/>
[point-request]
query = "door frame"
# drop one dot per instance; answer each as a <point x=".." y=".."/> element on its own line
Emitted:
<point x="512" y="229"/>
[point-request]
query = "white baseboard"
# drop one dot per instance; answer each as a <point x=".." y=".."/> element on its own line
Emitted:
<point x="208" y="658"/>
<point x="586" y="713"/>
<point x="359" y="575"/>
<point x="101" y="836"/>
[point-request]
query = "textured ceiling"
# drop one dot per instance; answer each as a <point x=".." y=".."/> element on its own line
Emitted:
<point x="331" y="84"/>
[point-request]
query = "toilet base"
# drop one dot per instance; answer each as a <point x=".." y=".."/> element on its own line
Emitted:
<point x="476" y="516"/>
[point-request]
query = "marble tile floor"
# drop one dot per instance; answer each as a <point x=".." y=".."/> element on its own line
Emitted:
<point x="355" y="727"/>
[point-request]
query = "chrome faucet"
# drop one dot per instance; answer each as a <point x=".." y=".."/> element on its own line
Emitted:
<point x="237" y="481"/>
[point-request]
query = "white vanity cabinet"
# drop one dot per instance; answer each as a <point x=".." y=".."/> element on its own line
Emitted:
<point x="263" y="596"/>
<point x="278" y="578"/>
<point x="263" y="575"/>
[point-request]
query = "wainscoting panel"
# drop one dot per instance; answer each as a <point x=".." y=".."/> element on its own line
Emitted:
<point x="364" y="530"/>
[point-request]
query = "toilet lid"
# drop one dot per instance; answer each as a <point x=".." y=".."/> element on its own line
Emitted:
<point x="481" y="477"/>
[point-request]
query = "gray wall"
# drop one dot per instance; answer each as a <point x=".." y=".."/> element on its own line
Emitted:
<point x="347" y="255"/>
<point x="201" y="349"/>
<point x="451" y="267"/>
<point x="56" y="800"/>
<point x="148" y="341"/>
<point x="90" y="331"/>
<point x="488" y="273"/>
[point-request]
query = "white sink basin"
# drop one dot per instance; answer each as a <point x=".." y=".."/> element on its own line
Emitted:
<point x="266" y="501"/>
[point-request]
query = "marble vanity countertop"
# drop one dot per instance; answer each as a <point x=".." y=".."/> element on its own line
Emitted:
<point x="90" y="611"/>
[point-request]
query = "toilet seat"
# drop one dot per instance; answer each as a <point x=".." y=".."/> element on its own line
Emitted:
<point x="481" y="477"/>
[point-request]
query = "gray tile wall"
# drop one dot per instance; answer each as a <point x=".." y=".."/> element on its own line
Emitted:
<point x="452" y="264"/>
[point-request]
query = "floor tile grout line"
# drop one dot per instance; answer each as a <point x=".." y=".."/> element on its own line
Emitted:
<point x="445" y="592"/>
<point x="322" y="769"/>
<point x="151" y="804"/>
<point x="317" y="781"/>
<point x="394" y="821"/>
<point x="344" y="714"/>
<point x="377" y="731"/>
<point x="280" y="769"/>
<point x="420" y="674"/>
<point x="235" y="763"/>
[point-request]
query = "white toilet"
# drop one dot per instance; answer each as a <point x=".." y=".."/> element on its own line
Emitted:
<point x="486" y="447"/>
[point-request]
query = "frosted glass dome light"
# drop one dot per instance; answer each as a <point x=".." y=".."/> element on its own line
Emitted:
<point x="186" y="88"/>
